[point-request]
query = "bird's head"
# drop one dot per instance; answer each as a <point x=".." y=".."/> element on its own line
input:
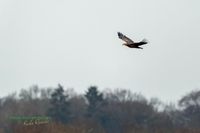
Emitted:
<point x="124" y="44"/>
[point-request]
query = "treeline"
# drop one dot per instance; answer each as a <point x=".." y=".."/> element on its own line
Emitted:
<point x="117" y="111"/>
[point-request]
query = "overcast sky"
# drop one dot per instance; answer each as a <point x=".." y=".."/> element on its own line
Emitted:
<point x="75" y="43"/>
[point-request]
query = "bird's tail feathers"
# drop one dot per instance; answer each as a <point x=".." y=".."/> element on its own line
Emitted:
<point x="145" y="41"/>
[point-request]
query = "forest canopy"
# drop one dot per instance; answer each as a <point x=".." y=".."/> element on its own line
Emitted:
<point x="113" y="110"/>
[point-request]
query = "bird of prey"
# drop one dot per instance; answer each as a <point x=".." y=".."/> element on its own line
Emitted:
<point x="130" y="43"/>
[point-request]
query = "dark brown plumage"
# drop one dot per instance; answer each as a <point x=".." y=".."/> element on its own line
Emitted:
<point x="130" y="43"/>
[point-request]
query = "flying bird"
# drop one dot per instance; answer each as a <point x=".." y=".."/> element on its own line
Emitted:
<point x="130" y="43"/>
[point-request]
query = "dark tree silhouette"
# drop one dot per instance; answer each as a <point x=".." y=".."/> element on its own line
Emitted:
<point x="191" y="108"/>
<point x="95" y="100"/>
<point x="59" y="110"/>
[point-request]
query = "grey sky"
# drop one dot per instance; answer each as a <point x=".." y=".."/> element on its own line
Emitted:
<point x="75" y="43"/>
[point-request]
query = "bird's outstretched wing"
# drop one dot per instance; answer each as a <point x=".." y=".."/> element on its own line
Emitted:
<point x="124" y="38"/>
